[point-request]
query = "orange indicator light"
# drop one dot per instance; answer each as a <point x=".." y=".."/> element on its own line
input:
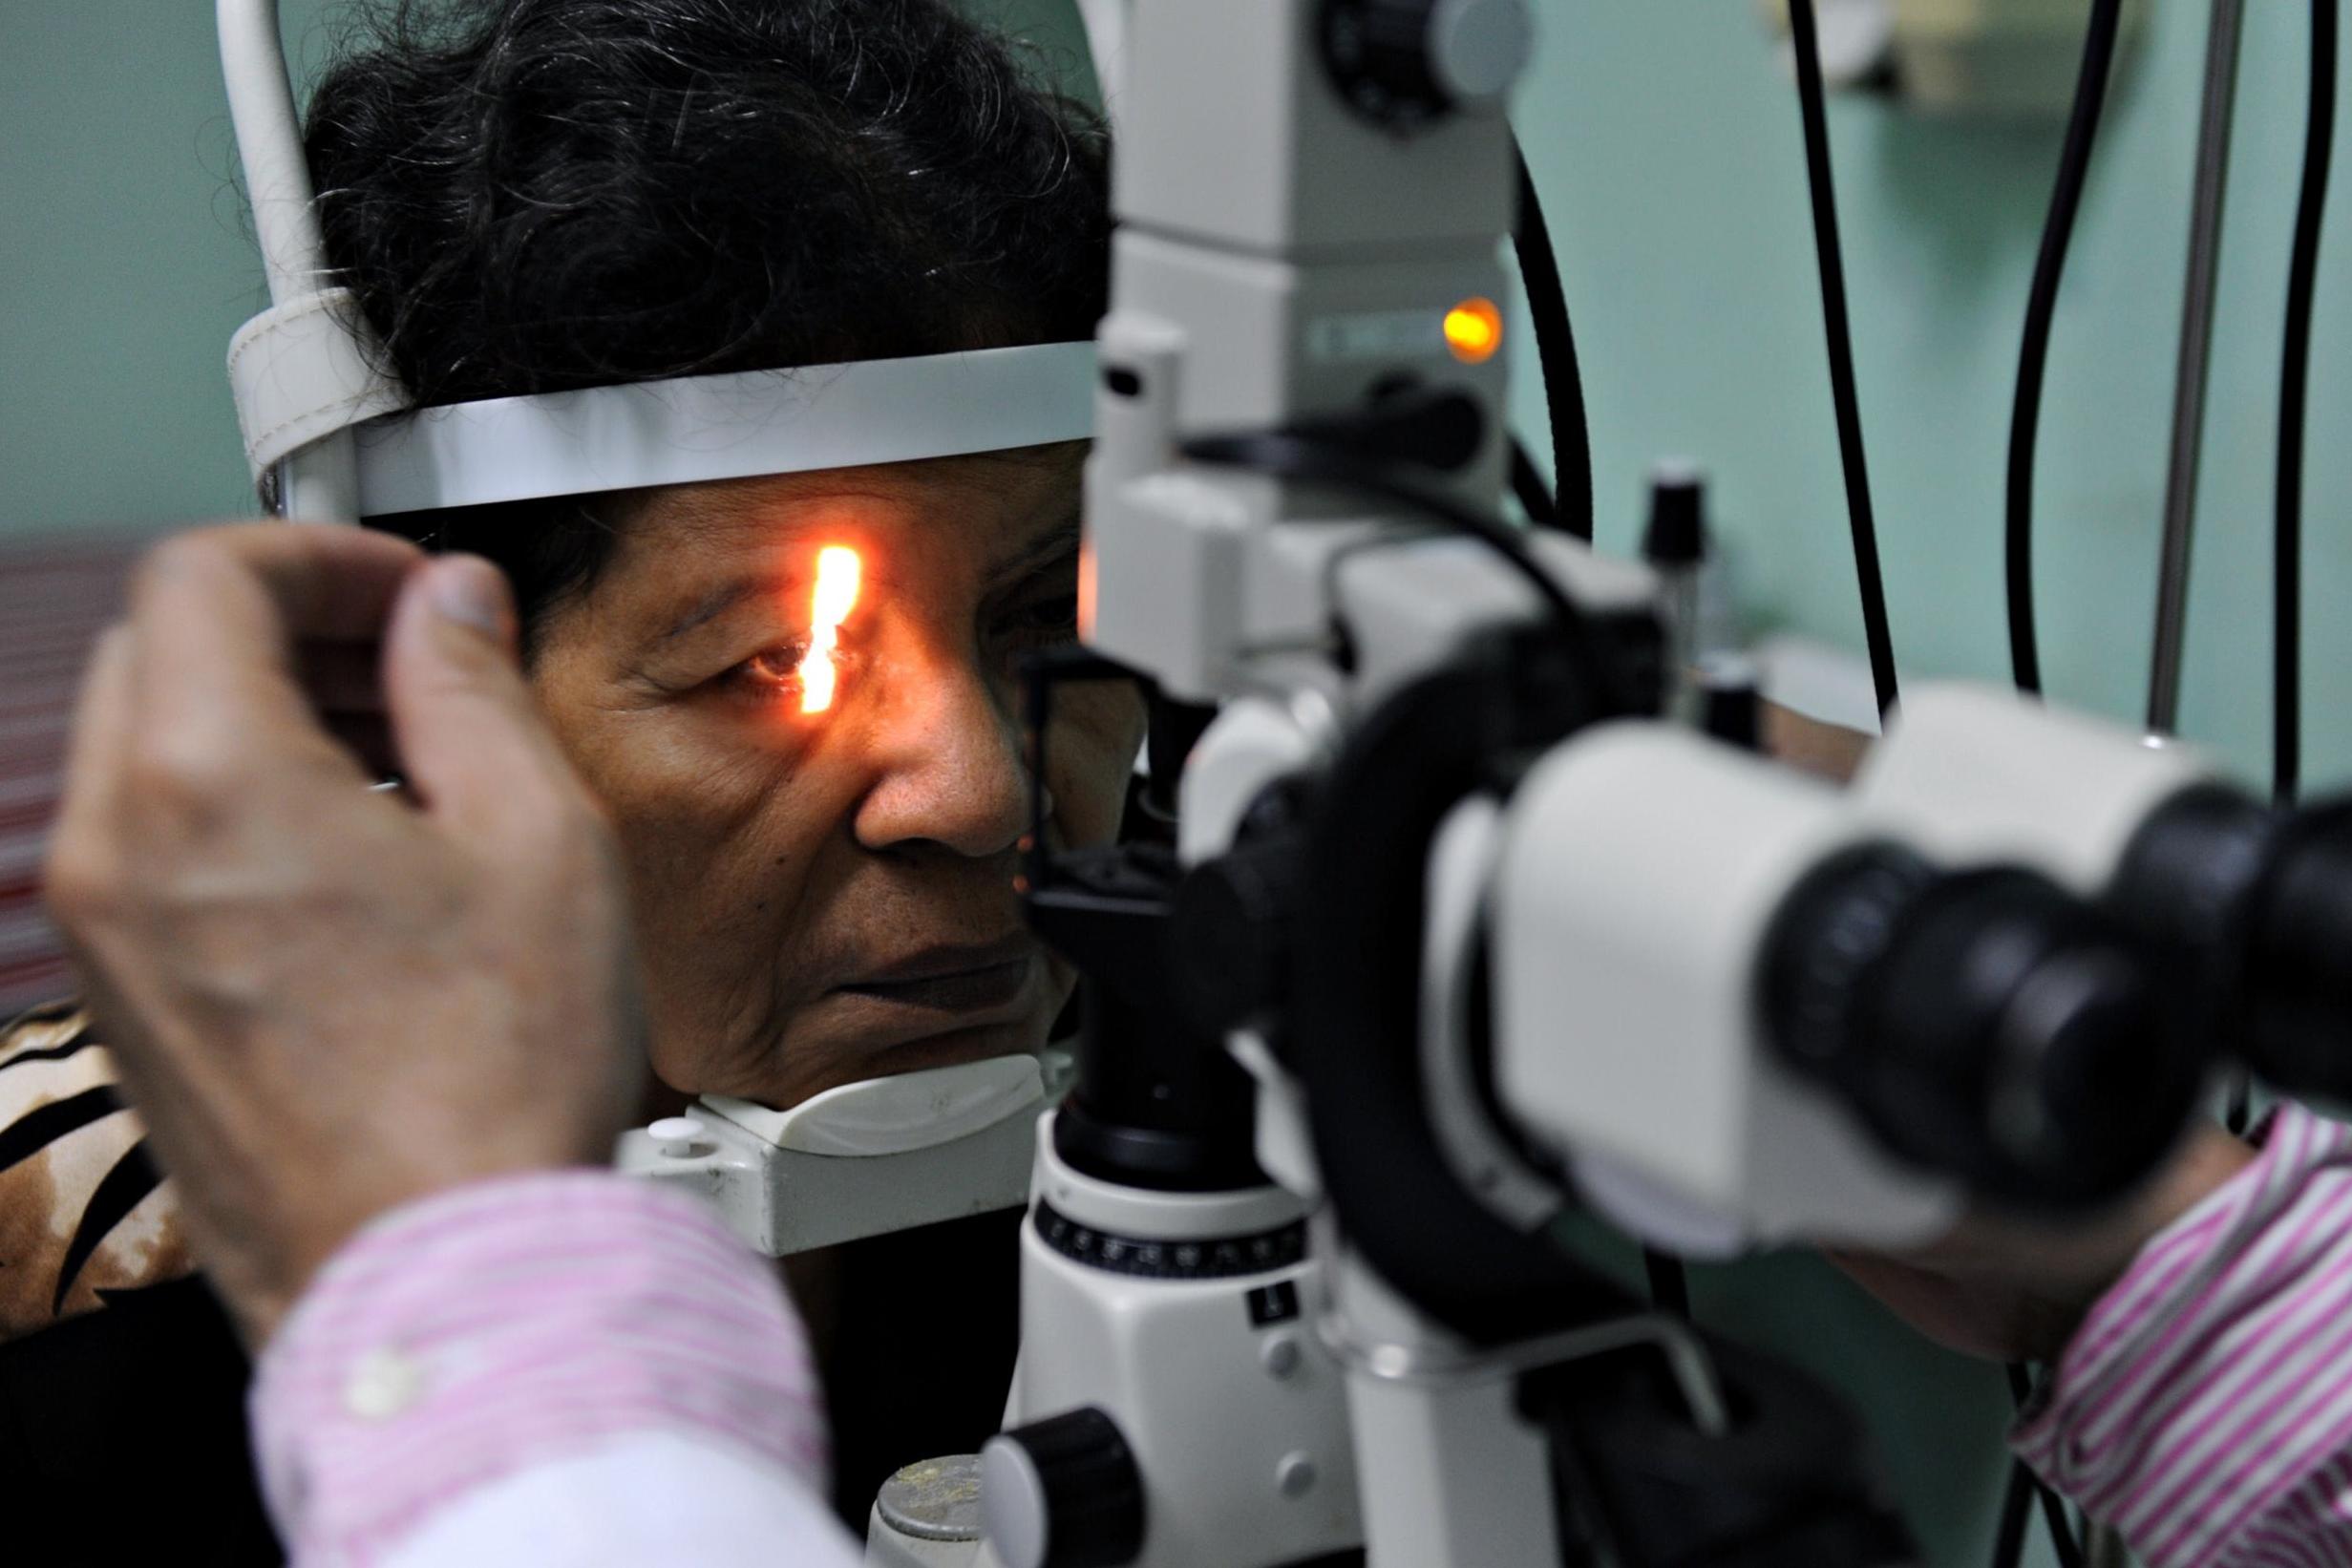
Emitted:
<point x="838" y="573"/>
<point x="1089" y="589"/>
<point x="1474" y="331"/>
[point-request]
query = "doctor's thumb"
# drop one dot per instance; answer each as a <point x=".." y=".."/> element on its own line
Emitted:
<point x="470" y="739"/>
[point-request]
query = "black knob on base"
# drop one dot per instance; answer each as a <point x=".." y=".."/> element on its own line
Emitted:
<point x="1062" y="1493"/>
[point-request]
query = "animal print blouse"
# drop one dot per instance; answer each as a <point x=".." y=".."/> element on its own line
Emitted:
<point x="83" y="1212"/>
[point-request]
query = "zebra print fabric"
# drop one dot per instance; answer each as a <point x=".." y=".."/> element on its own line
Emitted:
<point x="83" y="1212"/>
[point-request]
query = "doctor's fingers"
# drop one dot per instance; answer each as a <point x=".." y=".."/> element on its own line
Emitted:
<point x="220" y="620"/>
<point x="472" y="740"/>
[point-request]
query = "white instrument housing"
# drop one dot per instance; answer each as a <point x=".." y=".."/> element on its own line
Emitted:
<point x="1975" y="774"/>
<point x="1640" y="867"/>
<point x="1219" y="1383"/>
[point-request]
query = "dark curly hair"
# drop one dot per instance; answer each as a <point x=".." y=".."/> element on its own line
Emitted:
<point x="530" y="196"/>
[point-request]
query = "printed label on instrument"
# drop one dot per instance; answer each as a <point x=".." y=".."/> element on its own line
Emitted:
<point x="1376" y="335"/>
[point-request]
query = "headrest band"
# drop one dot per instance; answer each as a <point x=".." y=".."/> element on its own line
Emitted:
<point x="726" y="427"/>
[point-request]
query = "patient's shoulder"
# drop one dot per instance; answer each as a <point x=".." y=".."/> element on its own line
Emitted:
<point x="83" y="1213"/>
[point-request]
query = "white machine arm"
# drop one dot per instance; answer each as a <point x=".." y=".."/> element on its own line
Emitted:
<point x="304" y="371"/>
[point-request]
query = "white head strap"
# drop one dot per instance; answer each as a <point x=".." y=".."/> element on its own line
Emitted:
<point x="726" y="427"/>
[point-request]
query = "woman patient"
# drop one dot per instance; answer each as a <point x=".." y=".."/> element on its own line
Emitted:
<point x="539" y="195"/>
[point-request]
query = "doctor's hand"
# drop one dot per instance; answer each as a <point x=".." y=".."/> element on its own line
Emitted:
<point x="325" y="1001"/>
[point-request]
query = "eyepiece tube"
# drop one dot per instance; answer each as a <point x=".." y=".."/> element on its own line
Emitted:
<point x="2297" y="985"/>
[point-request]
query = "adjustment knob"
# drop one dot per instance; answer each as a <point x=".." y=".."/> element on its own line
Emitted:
<point x="1404" y="63"/>
<point x="1062" y="1493"/>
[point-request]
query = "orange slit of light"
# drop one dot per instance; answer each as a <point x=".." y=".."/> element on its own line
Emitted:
<point x="838" y="572"/>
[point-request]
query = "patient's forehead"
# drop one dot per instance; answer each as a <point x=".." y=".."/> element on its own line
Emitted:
<point x="689" y="556"/>
<point x="1010" y="480"/>
<point x="995" y="502"/>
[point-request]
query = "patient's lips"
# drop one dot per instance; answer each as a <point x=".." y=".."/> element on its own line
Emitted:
<point x="963" y="978"/>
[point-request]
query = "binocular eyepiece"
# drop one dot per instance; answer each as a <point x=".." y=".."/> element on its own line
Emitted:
<point x="1986" y="1023"/>
<point x="2046" y="1048"/>
<point x="2255" y="905"/>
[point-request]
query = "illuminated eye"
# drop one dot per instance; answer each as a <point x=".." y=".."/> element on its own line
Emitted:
<point x="838" y="573"/>
<point x="777" y="668"/>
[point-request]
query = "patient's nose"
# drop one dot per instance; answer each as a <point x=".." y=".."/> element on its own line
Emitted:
<point x="949" y="767"/>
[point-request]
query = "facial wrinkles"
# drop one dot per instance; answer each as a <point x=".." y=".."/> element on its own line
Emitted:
<point x="715" y="870"/>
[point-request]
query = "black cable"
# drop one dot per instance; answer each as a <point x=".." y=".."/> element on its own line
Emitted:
<point x="2068" y="1545"/>
<point x="1527" y="483"/>
<point x="1556" y="350"/>
<point x="2016" y="1512"/>
<point x="2294" y="384"/>
<point x="1669" y="1282"/>
<point x="2033" y="353"/>
<point x="2063" y="1539"/>
<point x="1811" y="100"/>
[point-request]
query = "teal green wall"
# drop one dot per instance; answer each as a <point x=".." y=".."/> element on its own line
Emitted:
<point x="123" y="267"/>
<point x="1666" y="138"/>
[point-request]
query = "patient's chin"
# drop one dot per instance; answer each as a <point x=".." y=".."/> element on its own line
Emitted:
<point x="840" y="1038"/>
<point x="854" y="1056"/>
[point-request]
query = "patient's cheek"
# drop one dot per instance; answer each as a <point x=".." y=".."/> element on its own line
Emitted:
<point x="723" y="845"/>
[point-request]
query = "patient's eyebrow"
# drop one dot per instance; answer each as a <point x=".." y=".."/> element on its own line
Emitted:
<point x="1049" y="550"/>
<point x="718" y="602"/>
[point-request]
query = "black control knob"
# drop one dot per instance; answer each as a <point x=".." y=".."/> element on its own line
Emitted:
<point x="1405" y="63"/>
<point x="1731" y="701"/>
<point x="1985" y="1024"/>
<point x="1062" y="1493"/>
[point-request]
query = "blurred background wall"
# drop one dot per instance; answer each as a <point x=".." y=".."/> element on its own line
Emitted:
<point x="1665" y="136"/>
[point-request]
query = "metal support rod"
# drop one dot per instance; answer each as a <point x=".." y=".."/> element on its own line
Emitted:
<point x="2196" y="335"/>
<point x="320" y="483"/>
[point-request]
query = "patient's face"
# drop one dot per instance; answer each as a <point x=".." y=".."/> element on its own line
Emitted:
<point x="824" y="896"/>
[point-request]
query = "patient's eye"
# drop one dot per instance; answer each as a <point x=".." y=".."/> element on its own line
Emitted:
<point x="773" y="673"/>
<point x="1048" y="619"/>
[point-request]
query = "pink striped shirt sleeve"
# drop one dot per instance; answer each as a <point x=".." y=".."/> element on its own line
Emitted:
<point x="2205" y="1406"/>
<point x="507" y="1323"/>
